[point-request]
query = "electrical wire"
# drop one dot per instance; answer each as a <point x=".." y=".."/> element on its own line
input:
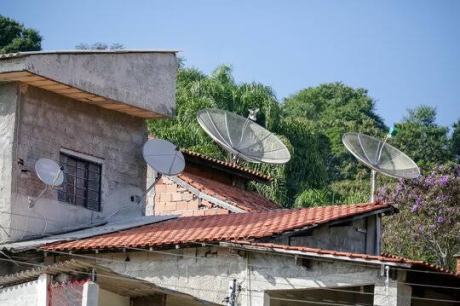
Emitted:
<point x="229" y="277"/>
<point x="192" y="288"/>
<point x="253" y="266"/>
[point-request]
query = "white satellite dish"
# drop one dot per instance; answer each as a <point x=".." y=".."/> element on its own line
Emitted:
<point x="163" y="157"/>
<point x="380" y="157"/>
<point x="50" y="173"/>
<point x="242" y="137"/>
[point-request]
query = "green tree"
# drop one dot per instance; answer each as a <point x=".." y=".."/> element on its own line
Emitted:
<point x="422" y="139"/>
<point x="196" y="90"/>
<point x="428" y="223"/>
<point x="335" y="109"/>
<point x="455" y="140"/>
<point x="14" y="37"/>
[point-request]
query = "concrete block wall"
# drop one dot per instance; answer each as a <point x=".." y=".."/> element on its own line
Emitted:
<point x="8" y="105"/>
<point x="48" y="123"/>
<point x="173" y="199"/>
<point x="205" y="272"/>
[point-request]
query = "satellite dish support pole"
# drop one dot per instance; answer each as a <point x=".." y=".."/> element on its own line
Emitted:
<point x="142" y="199"/>
<point x="380" y="149"/>
<point x="372" y="184"/>
<point x="33" y="201"/>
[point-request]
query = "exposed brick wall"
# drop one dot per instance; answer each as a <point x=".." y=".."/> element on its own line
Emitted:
<point x="173" y="199"/>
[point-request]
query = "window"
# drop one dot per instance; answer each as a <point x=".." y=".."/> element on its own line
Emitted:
<point x="82" y="182"/>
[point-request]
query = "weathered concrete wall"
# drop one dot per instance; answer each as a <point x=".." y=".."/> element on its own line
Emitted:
<point x="143" y="79"/>
<point x="49" y="123"/>
<point x="19" y="295"/>
<point x="8" y="104"/>
<point x="33" y="293"/>
<point x="108" y="298"/>
<point x="349" y="238"/>
<point x="205" y="272"/>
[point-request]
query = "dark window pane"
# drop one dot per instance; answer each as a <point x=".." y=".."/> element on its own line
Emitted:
<point x="95" y="168"/>
<point x="81" y="173"/>
<point x="82" y="182"/>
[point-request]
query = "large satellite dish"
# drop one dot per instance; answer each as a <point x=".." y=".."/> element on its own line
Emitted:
<point x="242" y="137"/>
<point x="50" y="173"/>
<point x="380" y="156"/>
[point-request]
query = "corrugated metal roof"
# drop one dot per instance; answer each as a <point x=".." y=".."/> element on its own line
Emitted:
<point x="110" y="227"/>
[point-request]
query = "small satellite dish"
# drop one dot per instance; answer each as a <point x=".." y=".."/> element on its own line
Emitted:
<point x="50" y="173"/>
<point x="242" y="137"/>
<point x="164" y="157"/>
<point x="380" y="156"/>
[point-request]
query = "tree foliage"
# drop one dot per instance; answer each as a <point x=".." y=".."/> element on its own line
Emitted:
<point x="14" y="37"/>
<point x="427" y="226"/>
<point x="422" y="139"/>
<point x="196" y="90"/>
<point x="335" y="109"/>
<point x="455" y="142"/>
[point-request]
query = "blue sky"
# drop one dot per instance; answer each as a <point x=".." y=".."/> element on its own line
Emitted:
<point x="405" y="53"/>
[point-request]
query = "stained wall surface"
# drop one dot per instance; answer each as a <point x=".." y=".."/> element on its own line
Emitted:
<point x="50" y="123"/>
<point x="8" y="104"/>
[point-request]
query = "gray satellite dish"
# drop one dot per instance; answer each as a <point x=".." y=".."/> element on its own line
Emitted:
<point x="242" y="137"/>
<point x="50" y="173"/>
<point x="380" y="157"/>
<point x="163" y="157"/>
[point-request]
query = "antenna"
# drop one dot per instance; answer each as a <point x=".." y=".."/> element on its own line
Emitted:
<point x="242" y="137"/>
<point x="380" y="156"/>
<point x="164" y="157"/>
<point x="50" y="173"/>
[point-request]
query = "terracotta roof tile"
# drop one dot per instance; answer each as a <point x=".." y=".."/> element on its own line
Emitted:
<point x="232" y="227"/>
<point x="227" y="164"/>
<point x="243" y="199"/>
<point x="386" y="258"/>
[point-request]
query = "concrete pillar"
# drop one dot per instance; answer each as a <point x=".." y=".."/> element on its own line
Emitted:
<point x="90" y="295"/>
<point x="266" y="299"/>
<point x="42" y="290"/>
<point x="396" y="294"/>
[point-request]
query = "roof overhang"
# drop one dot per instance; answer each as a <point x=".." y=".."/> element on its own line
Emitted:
<point x="95" y="230"/>
<point x="106" y="278"/>
<point x="139" y="83"/>
<point x="310" y="252"/>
